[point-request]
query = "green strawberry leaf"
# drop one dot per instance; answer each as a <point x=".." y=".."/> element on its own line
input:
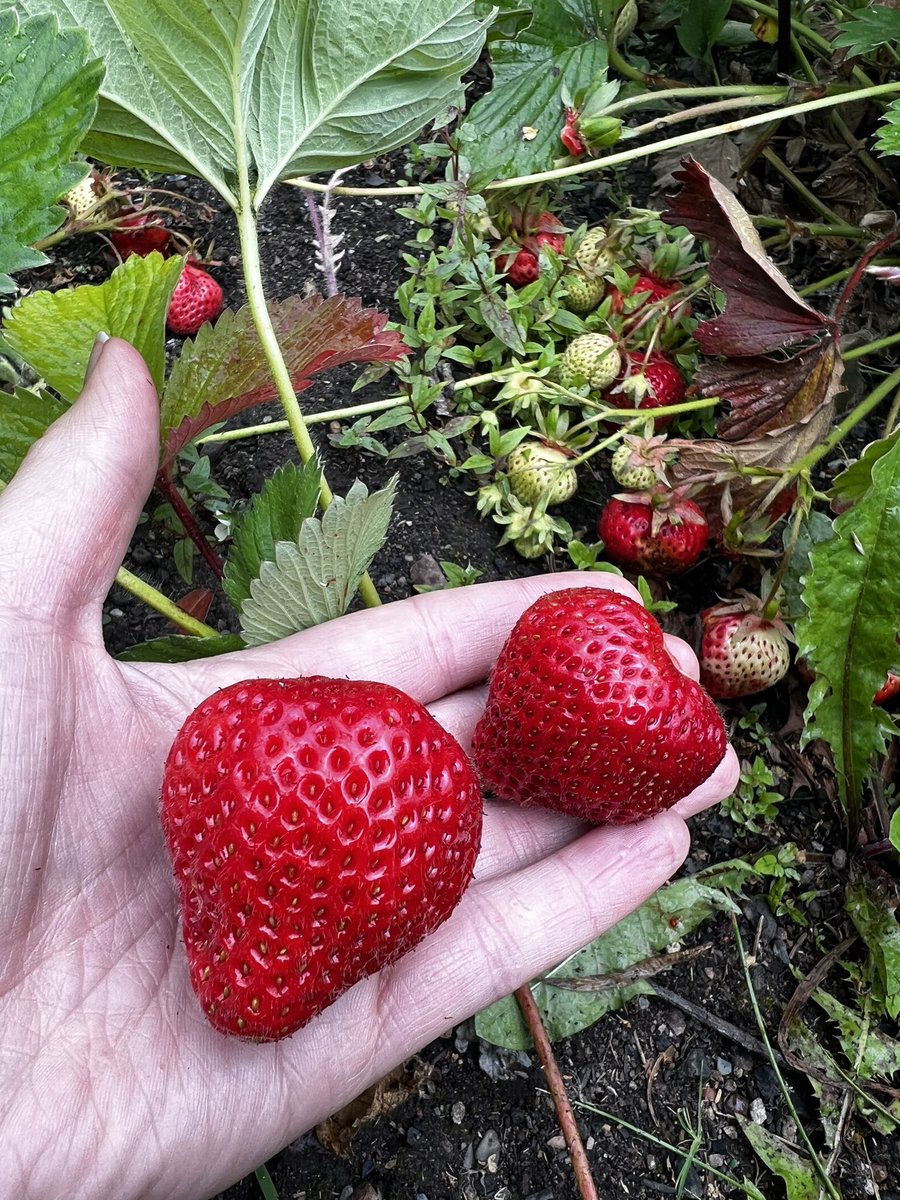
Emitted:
<point x="794" y="1169"/>
<point x="224" y="370"/>
<point x="700" y="27"/>
<point x="675" y="910"/>
<point x="848" y="633"/>
<point x="868" y="29"/>
<point x="894" y="832"/>
<point x="24" y="417"/>
<point x="190" y="88"/>
<point x="888" y="138"/>
<point x="872" y="911"/>
<point x="180" y="648"/>
<point x="275" y="515"/>
<point x="515" y="128"/>
<point x="47" y="103"/>
<point x="851" y="485"/>
<point x="314" y="579"/>
<point x="874" y="1054"/>
<point x="54" y="331"/>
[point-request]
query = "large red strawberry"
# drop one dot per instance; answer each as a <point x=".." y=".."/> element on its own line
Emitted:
<point x="318" y="829"/>
<point x="648" y="381"/>
<point x="197" y="299"/>
<point x="646" y="289"/>
<point x="588" y="714"/>
<point x="741" y="652"/>
<point x="658" y="533"/>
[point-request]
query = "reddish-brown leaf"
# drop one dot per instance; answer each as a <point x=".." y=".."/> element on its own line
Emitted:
<point x="762" y="311"/>
<point x="224" y="370"/>
<point x="769" y="393"/>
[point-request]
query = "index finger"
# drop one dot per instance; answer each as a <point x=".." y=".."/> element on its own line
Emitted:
<point x="427" y="646"/>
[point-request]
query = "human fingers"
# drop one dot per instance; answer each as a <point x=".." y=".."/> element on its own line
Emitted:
<point x="428" y="646"/>
<point x="720" y="784"/>
<point x="68" y="514"/>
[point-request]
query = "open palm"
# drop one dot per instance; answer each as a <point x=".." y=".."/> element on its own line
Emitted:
<point x="112" y="1081"/>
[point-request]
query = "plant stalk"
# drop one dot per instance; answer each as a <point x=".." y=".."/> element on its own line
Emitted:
<point x="256" y="299"/>
<point x="162" y="604"/>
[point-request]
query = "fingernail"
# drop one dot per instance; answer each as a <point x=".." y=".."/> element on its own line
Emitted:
<point x="99" y="342"/>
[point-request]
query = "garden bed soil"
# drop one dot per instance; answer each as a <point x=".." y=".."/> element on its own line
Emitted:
<point x="475" y="1121"/>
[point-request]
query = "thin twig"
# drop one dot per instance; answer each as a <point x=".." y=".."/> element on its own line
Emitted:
<point x="567" y="1122"/>
<point x="734" y="1034"/>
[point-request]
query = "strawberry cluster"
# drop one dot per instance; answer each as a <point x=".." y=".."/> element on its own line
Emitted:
<point x="320" y="828"/>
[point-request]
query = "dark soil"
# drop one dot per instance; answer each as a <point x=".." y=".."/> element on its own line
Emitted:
<point x="479" y="1122"/>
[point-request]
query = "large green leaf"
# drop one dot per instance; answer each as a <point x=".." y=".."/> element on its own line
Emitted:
<point x="515" y="128"/>
<point x="795" y="1169"/>
<point x="24" y="417"/>
<point x="314" y="579"/>
<point x="47" y="102"/>
<point x="298" y="86"/>
<point x="873" y="911"/>
<point x="668" y="916"/>
<point x="848" y="633"/>
<point x="54" y="331"/>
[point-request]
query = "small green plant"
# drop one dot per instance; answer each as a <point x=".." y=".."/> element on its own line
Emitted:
<point x="755" y="801"/>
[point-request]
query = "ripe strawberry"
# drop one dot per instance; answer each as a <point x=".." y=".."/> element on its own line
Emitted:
<point x="197" y="299"/>
<point x="318" y="829"/>
<point x="556" y="241"/>
<point x="648" y="381"/>
<point x="740" y="651"/>
<point x="588" y="714"/>
<point x="654" y="534"/>
<point x="138" y="235"/>
<point x="521" y="268"/>
<point x="889" y="690"/>
<point x="647" y="289"/>
<point x="590" y="358"/>
<point x="537" y="471"/>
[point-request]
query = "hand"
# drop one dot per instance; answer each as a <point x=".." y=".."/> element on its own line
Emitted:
<point x="113" y="1083"/>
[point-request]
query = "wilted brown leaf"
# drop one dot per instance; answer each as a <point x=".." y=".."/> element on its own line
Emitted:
<point x="762" y="313"/>
<point x="765" y="393"/>
<point x="336" y="1133"/>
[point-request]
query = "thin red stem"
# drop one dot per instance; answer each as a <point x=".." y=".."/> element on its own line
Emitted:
<point x="853" y="282"/>
<point x="165" y="485"/>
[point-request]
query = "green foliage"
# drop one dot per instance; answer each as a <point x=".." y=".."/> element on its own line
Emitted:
<point x="47" y="103"/>
<point x="868" y="29"/>
<point x="848" y="633"/>
<point x="313" y="579"/>
<point x="895" y="830"/>
<point x="793" y="1168"/>
<point x="179" y="648"/>
<point x="754" y="802"/>
<point x="873" y="912"/>
<point x="54" y="331"/>
<point x="24" y="417"/>
<point x="664" y="919"/>
<point x="277" y="81"/>
<point x="515" y="128"/>
<point x="888" y="139"/>
<point x="700" y="27"/>
<point x="275" y="515"/>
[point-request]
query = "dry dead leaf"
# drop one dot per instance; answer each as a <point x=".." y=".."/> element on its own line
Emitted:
<point x="336" y="1133"/>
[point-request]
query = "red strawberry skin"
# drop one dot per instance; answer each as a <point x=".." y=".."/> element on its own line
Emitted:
<point x="318" y="830"/>
<point x="666" y="384"/>
<point x="197" y="299"/>
<point x="136" y="235"/>
<point x="647" y="289"/>
<point x="741" y="653"/>
<point x="521" y="268"/>
<point x="631" y="541"/>
<point x="587" y="713"/>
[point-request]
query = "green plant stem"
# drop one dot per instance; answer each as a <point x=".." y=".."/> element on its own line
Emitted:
<point x="890" y="420"/>
<point x="808" y="461"/>
<point x="809" y="35"/>
<point x="799" y="187"/>
<point x="162" y="604"/>
<point x="663" y="1145"/>
<point x="256" y="299"/>
<point x="871" y="347"/>
<point x="699" y="135"/>
<point x="754" y="93"/>
<point x="813" y="228"/>
<point x="702" y="110"/>
<point x="636" y="420"/>
<point x="824" y="1178"/>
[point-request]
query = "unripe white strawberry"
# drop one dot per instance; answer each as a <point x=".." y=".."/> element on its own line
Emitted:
<point x="639" y="463"/>
<point x="626" y="22"/>
<point x="740" y="651"/>
<point x="594" y="254"/>
<point x="81" y="198"/>
<point x="583" y="292"/>
<point x="592" y="358"/>
<point x="537" y="471"/>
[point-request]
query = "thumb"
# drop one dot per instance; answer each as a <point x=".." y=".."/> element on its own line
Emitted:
<point x="68" y="515"/>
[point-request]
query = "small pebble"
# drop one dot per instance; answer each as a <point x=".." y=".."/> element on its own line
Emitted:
<point x="723" y="1066"/>
<point x="557" y="1142"/>
<point x="839" y="859"/>
<point x="488" y="1146"/>
<point x="458" y="1112"/>
<point x="758" y="1112"/>
<point x="413" y="1136"/>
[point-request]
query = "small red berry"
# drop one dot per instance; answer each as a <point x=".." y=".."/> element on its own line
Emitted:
<point x="650" y="534"/>
<point x="137" y="234"/>
<point x="197" y="299"/>
<point x="648" y="381"/>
